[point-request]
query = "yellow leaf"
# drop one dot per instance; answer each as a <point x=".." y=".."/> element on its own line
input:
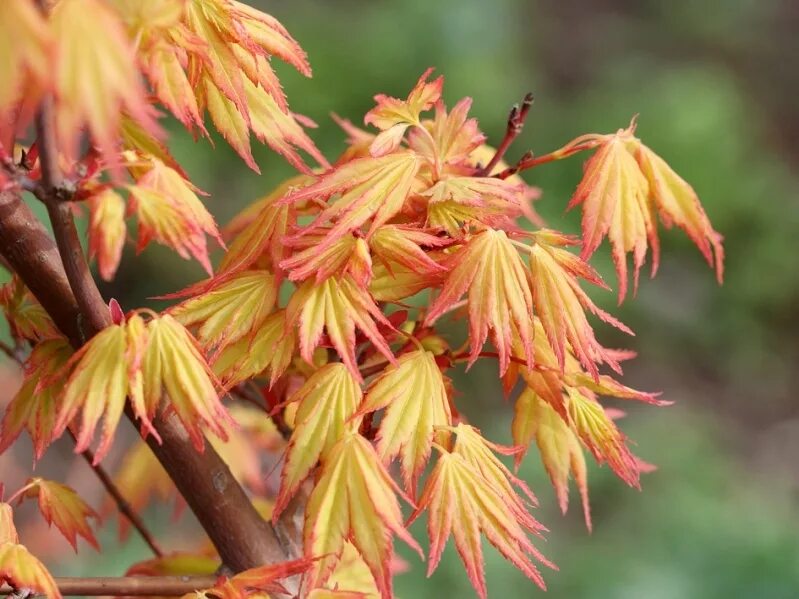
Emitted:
<point x="415" y="398"/>
<point x="107" y="231"/>
<point x="8" y="532"/>
<point x="326" y="403"/>
<point x="25" y="45"/>
<point x="338" y="306"/>
<point x="230" y="311"/>
<point x="35" y="405"/>
<point x="560" y="304"/>
<point x="97" y="388"/>
<point x="558" y="445"/>
<point x="25" y="315"/>
<point x="269" y="349"/>
<point x="460" y="502"/>
<point x="96" y="82"/>
<point x="173" y="365"/>
<point x="679" y="205"/>
<point x="353" y="499"/>
<point x="601" y="436"/>
<point x="500" y="300"/>
<point x="21" y="570"/>
<point x="367" y="188"/>
<point x="61" y="505"/>
<point x="347" y="255"/>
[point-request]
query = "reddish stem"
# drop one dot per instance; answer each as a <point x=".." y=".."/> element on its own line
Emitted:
<point x="516" y="119"/>
<point x="129" y="586"/>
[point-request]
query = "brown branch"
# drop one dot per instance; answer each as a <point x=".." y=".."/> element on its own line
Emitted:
<point x="129" y="586"/>
<point x="122" y="504"/>
<point x="516" y="119"/>
<point x="92" y="306"/>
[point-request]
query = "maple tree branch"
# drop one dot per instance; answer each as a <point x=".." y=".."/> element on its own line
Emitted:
<point x="91" y="304"/>
<point x="516" y="119"/>
<point x="530" y="160"/>
<point x="128" y="586"/>
<point x="122" y="504"/>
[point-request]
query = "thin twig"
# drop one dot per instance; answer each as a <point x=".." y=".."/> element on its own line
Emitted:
<point x="122" y="504"/>
<point x="129" y="586"/>
<point x="516" y="119"/>
<point x="92" y="306"/>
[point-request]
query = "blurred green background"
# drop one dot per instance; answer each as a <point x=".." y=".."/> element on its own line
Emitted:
<point x="715" y="84"/>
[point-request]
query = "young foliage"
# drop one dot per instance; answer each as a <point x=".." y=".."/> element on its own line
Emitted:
<point x="320" y="347"/>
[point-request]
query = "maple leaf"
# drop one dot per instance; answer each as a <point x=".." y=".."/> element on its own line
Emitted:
<point x="337" y="306"/>
<point x="230" y="311"/>
<point x="403" y="245"/>
<point x="479" y="453"/>
<point x="392" y="281"/>
<point x="326" y="403"/>
<point x="679" y="205"/>
<point x="35" y="404"/>
<point x="140" y="477"/>
<point x="367" y="188"/>
<point x="62" y="506"/>
<point x="490" y="270"/>
<point x="270" y="348"/>
<point x="353" y="500"/>
<point x="460" y="502"/>
<point x="350" y="579"/>
<point x="560" y="303"/>
<point x="624" y="182"/>
<point x="173" y="364"/>
<point x="170" y="212"/>
<point x="21" y="570"/>
<point x="347" y="255"/>
<point x="25" y="315"/>
<point x="559" y="446"/>
<point x="415" y="398"/>
<point x="95" y="82"/>
<point x="107" y="231"/>
<point x="8" y="532"/>
<point x="394" y="116"/>
<point x="25" y="44"/>
<point x="601" y="436"/>
<point x="97" y="388"/>
<point x="452" y="137"/>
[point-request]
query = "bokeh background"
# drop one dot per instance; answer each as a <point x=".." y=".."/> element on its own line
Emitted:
<point x="715" y="84"/>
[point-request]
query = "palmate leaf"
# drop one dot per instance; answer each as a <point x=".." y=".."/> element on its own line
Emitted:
<point x="268" y="350"/>
<point x="107" y="231"/>
<point x="367" y="188"/>
<point x="353" y="500"/>
<point x="601" y="437"/>
<point x="348" y="255"/>
<point x="173" y="364"/>
<point x="25" y="315"/>
<point x="394" y="116"/>
<point x="489" y="269"/>
<point x="97" y="82"/>
<point x="62" y="506"/>
<point x="230" y="311"/>
<point x="560" y="304"/>
<point x="326" y="404"/>
<point x="8" y="532"/>
<point x="452" y="135"/>
<point x="21" y="570"/>
<point x="461" y="503"/>
<point x="559" y="446"/>
<point x="623" y="184"/>
<point x="415" y="398"/>
<point x="337" y="306"/>
<point x="35" y="405"/>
